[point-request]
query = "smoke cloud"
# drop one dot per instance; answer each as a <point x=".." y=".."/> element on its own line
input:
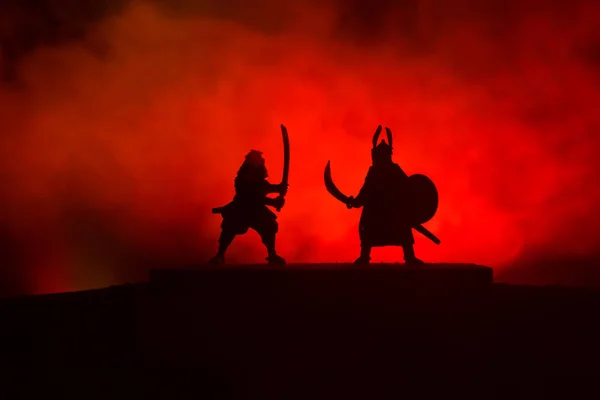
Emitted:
<point x="122" y="125"/>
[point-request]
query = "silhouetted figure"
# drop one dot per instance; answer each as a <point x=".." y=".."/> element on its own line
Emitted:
<point x="385" y="200"/>
<point x="391" y="205"/>
<point x="249" y="208"/>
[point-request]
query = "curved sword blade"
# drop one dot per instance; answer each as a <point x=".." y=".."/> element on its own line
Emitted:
<point x="331" y="188"/>
<point x="286" y="155"/>
<point x="286" y="162"/>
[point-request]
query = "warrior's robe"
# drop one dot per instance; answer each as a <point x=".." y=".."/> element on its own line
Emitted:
<point x="385" y="219"/>
<point x="248" y="208"/>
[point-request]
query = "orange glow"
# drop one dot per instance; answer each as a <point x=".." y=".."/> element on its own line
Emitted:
<point x="122" y="158"/>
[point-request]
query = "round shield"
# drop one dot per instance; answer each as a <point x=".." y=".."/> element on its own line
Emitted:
<point x="424" y="198"/>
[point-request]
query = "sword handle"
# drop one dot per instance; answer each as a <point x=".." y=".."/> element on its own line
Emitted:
<point x="282" y="193"/>
<point x="349" y="204"/>
<point x="425" y="232"/>
<point x="279" y="197"/>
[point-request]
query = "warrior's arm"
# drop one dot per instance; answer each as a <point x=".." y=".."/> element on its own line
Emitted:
<point x="271" y="202"/>
<point x="272" y="188"/>
<point x="358" y="201"/>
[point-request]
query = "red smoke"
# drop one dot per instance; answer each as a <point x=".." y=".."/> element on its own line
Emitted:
<point x="112" y="164"/>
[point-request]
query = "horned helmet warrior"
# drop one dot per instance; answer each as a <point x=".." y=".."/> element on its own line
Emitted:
<point x="381" y="153"/>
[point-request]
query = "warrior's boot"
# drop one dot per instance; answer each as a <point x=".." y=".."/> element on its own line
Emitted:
<point x="219" y="259"/>
<point x="225" y="240"/>
<point x="275" y="259"/>
<point x="365" y="256"/>
<point x="409" y="255"/>
<point x="272" y="258"/>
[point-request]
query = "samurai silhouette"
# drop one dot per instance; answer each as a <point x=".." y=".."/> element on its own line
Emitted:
<point x="393" y="203"/>
<point x="248" y="210"/>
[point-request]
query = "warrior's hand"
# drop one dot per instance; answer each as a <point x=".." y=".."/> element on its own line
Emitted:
<point x="350" y="203"/>
<point x="278" y="202"/>
<point x="283" y="188"/>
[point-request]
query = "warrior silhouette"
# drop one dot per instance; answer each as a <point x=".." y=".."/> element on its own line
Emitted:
<point x="249" y="208"/>
<point x="393" y="203"/>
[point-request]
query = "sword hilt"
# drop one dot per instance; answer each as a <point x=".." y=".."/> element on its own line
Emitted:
<point x="282" y="193"/>
<point x="281" y="196"/>
<point x="349" y="204"/>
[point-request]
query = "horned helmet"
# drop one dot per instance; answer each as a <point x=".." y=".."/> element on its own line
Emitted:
<point x="382" y="151"/>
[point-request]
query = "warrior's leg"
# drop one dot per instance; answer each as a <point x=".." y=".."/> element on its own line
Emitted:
<point x="269" y="242"/>
<point x="409" y="254"/>
<point x="267" y="234"/>
<point x="365" y="254"/>
<point x="225" y="240"/>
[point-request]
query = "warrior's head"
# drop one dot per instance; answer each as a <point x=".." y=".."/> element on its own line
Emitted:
<point x="254" y="164"/>
<point x="381" y="153"/>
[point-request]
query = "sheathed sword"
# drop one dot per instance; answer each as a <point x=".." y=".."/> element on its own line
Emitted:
<point x="286" y="163"/>
<point x="335" y="192"/>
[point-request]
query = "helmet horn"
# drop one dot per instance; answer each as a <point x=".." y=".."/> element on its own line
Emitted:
<point x="388" y="131"/>
<point x="376" y="136"/>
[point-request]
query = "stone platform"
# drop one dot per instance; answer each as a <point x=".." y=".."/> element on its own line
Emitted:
<point x="329" y="277"/>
